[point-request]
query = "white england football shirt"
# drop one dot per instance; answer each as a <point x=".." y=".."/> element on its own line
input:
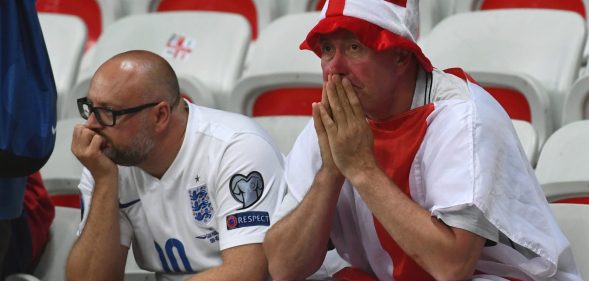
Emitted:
<point x="457" y="155"/>
<point x="220" y="192"/>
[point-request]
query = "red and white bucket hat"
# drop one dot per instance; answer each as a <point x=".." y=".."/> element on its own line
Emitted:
<point x="378" y="24"/>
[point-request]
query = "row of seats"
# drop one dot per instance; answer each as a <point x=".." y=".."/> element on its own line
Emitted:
<point x="98" y="14"/>
<point x="219" y="67"/>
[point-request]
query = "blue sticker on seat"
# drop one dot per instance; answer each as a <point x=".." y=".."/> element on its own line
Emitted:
<point x="246" y="219"/>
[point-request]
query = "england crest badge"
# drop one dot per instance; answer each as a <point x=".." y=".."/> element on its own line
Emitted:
<point x="200" y="203"/>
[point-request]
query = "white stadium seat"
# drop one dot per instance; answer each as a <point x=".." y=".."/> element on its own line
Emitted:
<point x="265" y="10"/>
<point x="65" y="36"/>
<point x="562" y="167"/>
<point x="544" y="44"/>
<point x="528" y="138"/>
<point x="21" y="277"/>
<point x="526" y="99"/>
<point x="576" y="105"/>
<point x="62" y="236"/>
<point x="205" y="46"/>
<point x="573" y="220"/>
<point x="284" y="129"/>
<point x="61" y="174"/>
<point x="133" y="7"/>
<point x="298" y="6"/>
<point x="277" y="63"/>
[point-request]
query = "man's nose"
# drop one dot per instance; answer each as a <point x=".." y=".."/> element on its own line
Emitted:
<point x="92" y="122"/>
<point x="338" y="64"/>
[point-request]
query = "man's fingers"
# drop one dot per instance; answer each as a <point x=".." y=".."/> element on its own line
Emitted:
<point x="85" y="142"/>
<point x="325" y="99"/>
<point x="328" y="123"/>
<point x="81" y="138"/>
<point x="334" y="103"/>
<point x="354" y="102"/>
<point x="342" y="94"/>
<point x="96" y="143"/>
<point x="319" y="128"/>
<point x="322" y="137"/>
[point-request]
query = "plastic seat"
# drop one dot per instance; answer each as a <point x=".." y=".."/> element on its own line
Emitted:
<point x="65" y="37"/>
<point x="21" y="277"/>
<point x="96" y="14"/>
<point x="259" y="13"/>
<point x="573" y="220"/>
<point x="562" y="165"/>
<point x="576" y="6"/>
<point x="576" y="105"/>
<point x="133" y="272"/>
<point x="522" y="97"/>
<point x="299" y="6"/>
<point x="528" y="138"/>
<point x="62" y="236"/>
<point x="207" y="47"/>
<point x="284" y="129"/>
<point x="61" y="174"/>
<point x="280" y="78"/>
<point x="543" y="44"/>
<point x="134" y="7"/>
<point x="431" y="12"/>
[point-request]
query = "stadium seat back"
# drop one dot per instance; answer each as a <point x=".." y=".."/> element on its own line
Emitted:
<point x="280" y="79"/>
<point x="543" y="44"/>
<point x="562" y="165"/>
<point x="573" y="220"/>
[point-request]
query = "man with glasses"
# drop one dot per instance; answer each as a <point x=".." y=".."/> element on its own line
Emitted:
<point x="191" y="188"/>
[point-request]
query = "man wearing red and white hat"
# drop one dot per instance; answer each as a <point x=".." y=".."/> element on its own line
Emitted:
<point x="412" y="173"/>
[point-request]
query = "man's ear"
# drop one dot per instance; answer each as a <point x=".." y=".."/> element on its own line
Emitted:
<point x="404" y="56"/>
<point x="163" y="113"/>
<point x="403" y="59"/>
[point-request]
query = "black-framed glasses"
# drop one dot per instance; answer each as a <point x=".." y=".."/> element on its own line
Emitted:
<point x="106" y="116"/>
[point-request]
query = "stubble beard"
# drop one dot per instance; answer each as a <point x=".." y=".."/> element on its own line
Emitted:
<point x="133" y="154"/>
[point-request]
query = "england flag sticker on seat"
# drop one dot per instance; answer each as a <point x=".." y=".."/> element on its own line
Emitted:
<point x="179" y="47"/>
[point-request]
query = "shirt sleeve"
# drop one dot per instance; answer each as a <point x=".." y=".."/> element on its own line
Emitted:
<point x="470" y="218"/>
<point x="86" y="187"/>
<point x="303" y="162"/>
<point x="288" y="204"/>
<point x="249" y="189"/>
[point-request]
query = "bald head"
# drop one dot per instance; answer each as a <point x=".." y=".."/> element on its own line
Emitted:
<point x="140" y="73"/>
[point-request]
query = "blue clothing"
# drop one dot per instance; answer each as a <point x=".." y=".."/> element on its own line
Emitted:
<point x="27" y="95"/>
<point x="12" y="192"/>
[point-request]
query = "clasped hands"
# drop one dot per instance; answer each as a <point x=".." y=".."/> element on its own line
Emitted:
<point x="345" y="139"/>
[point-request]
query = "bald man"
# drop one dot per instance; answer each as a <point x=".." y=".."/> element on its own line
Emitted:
<point x="191" y="188"/>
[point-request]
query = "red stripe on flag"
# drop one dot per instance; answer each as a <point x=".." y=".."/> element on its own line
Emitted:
<point x="402" y="3"/>
<point x="335" y="8"/>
